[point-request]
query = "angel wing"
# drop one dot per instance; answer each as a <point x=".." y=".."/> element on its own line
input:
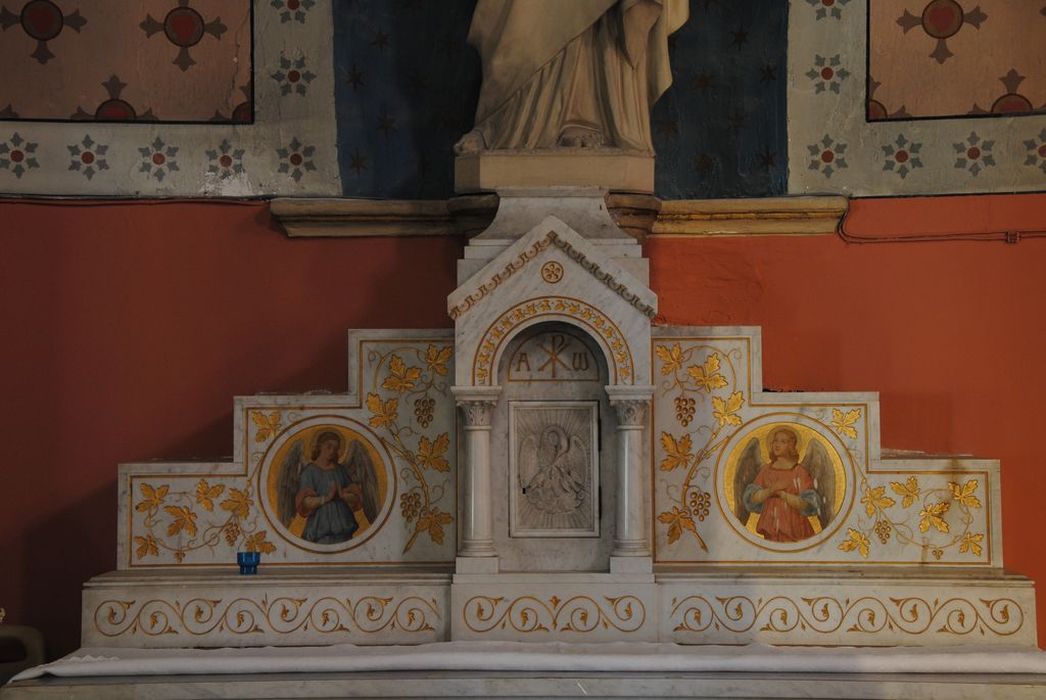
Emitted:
<point x="527" y="462"/>
<point x="819" y="464"/>
<point x="576" y="463"/>
<point x="362" y="467"/>
<point x="290" y="482"/>
<point x="747" y="469"/>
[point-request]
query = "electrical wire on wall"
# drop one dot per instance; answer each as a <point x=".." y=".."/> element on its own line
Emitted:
<point x="1007" y="236"/>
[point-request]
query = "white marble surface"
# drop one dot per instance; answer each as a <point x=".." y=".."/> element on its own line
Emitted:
<point x="554" y="656"/>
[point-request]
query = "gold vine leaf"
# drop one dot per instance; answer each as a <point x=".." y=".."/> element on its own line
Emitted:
<point x="431" y="452"/>
<point x="707" y="376"/>
<point x="267" y="424"/>
<point x="671" y="358"/>
<point x="401" y="377"/>
<point x="971" y="543"/>
<point x="677" y="521"/>
<point x="677" y="452"/>
<point x="205" y="494"/>
<point x="436" y="359"/>
<point x="855" y="540"/>
<point x="844" y="422"/>
<point x="383" y="413"/>
<point x="154" y="497"/>
<point x="184" y="518"/>
<point x="875" y="499"/>
<point x="238" y="503"/>
<point x="257" y="543"/>
<point x="146" y="546"/>
<point x="931" y="515"/>
<point x="908" y="491"/>
<point x="433" y="521"/>
<point x="725" y="411"/>
<point x="965" y="494"/>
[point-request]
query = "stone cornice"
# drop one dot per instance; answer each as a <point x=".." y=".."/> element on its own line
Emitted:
<point x="483" y="289"/>
<point x="750" y="217"/>
<point x="637" y="214"/>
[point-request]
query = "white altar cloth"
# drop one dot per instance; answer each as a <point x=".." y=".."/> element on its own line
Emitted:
<point x="552" y="657"/>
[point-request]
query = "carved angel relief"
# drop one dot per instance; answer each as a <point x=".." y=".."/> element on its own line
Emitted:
<point x="554" y="469"/>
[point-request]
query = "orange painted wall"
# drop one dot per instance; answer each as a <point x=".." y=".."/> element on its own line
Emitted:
<point x="127" y="329"/>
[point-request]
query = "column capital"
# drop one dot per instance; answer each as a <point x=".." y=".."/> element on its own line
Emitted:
<point x="630" y="403"/>
<point x="476" y="404"/>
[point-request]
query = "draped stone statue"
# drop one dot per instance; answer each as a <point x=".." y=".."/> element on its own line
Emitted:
<point x="570" y="73"/>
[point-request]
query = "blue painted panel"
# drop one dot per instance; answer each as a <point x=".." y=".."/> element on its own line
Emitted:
<point x="407" y="84"/>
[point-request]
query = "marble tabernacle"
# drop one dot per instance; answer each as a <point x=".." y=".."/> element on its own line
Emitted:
<point x="559" y="468"/>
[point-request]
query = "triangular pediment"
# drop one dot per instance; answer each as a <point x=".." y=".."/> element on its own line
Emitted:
<point x="600" y="271"/>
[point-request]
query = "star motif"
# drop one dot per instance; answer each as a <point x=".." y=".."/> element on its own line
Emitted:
<point x="358" y="161"/>
<point x="740" y="37"/>
<point x="769" y="73"/>
<point x="766" y="158"/>
<point x="354" y="76"/>
<point x="704" y="162"/>
<point x="736" y="120"/>
<point x="380" y="41"/>
<point x="703" y="82"/>
<point x="386" y="123"/>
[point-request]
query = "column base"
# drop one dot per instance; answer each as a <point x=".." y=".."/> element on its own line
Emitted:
<point x="631" y="565"/>
<point x="476" y="565"/>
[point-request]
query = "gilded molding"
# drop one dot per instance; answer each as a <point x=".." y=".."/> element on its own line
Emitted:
<point x="619" y="353"/>
<point x="551" y="238"/>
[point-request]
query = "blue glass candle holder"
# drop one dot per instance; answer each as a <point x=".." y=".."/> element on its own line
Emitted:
<point x="248" y="562"/>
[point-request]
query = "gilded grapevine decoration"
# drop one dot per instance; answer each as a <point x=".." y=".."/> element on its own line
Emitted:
<point x="399" y="382"/>
<point x="691" y="374"/>
<point x="941" y="511"/>
<point x="844" y="422"/>
<point x="178" y="515"/>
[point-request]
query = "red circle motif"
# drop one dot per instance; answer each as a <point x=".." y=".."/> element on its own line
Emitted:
<point x="973" y="153"/>
<point x="901" y="156"/>
<point x="183" y="26"/>
<point x="1011" y="103"/>
<point x="1042" y="150"/>
<point x="827" y="3"/>
<point x="225" y="161"/>
<point x="87" y="157"/>
<point x="827" y="73"/>
<point x="243" y="112"/>
<point x="293" y="76"/>
<point x="159" y="159"/>
<point x="296" y="159"/>
<point x="115" y="110"/>
<point x="827" y="156"/>
<point x="17" y="156"/>
<point x="42" y="20"/>
<point x="293" y="4"/>
<point x="942" y="18"/>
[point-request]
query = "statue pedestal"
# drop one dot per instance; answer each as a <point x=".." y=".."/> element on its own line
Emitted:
<point x="610" y="169"/>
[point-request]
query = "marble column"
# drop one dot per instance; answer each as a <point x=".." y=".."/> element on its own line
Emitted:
<point x="631" y="538"/>
<point x="477" y="522"/>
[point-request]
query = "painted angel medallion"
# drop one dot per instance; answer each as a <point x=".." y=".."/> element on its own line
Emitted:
<point x="785" y="483"/>
<point x="327" y="485"/>
<point x="553" y="469"/>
